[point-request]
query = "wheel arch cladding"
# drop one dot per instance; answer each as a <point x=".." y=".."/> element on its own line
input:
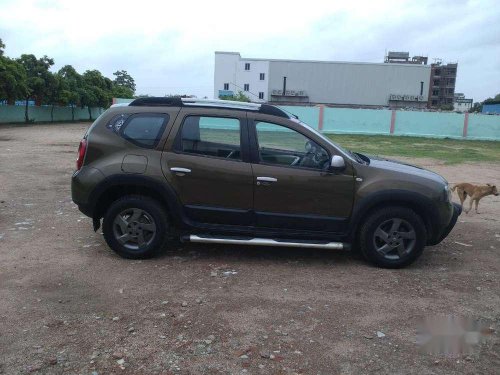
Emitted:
<point x="419" y="203"/>
<point x="114" y="187"/>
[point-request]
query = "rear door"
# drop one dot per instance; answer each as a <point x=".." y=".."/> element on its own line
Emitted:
<point x="206" y="161"/>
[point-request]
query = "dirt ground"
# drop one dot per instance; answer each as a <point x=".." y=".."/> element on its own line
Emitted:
<point x="68" y="304"/>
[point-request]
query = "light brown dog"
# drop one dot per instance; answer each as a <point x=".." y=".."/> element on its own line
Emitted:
<point x="475" y="192"/>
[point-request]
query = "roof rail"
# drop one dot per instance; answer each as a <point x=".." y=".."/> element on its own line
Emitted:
<point x="157" y="102"/>
<point x="220" y="103"/>
<point x="194" y="102"/>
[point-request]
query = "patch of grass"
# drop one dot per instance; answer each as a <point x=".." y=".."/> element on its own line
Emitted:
<point x="450" y="151"/>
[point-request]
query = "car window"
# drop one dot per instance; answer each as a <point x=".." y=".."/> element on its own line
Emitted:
<point x="145" y="130"/>
<point x="211" y="136"/>
<point x="279" y="145"/>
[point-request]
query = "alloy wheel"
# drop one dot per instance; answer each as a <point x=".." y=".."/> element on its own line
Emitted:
<point x="134" y="228"/>
<point x="394" y="238"/>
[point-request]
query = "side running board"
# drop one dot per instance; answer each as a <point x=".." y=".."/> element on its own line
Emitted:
<point x="265" y="242"/>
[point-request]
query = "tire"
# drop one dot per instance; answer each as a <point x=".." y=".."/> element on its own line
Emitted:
<point x="141" y="223"/>
<point x="392" y="237"/>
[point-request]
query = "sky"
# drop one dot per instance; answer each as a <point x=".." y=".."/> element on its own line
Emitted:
<point x="168" y="46"/>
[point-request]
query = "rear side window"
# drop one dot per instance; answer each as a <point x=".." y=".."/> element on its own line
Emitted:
<point x="144" y="130"/>
<point x="210" y="136"/>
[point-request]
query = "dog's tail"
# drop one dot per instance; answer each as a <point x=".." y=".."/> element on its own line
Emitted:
<point x="453" y="187"/>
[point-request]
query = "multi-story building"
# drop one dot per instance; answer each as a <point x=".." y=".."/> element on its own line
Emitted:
<point x="350" y="84"/>
<point x="461" y="104"/>
<point x="442" y="85"/>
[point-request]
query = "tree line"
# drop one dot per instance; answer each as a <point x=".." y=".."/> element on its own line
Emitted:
<point x="30" y="78"/>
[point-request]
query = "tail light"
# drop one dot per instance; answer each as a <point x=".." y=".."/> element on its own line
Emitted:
<point x="82" y="149"/>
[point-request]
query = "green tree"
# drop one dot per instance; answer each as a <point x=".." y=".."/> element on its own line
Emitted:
<point x="493" y="100"/>
<point x="54" y="88"/>
<point x="122" y="92"/>
<point x="124" y="80"/>
<point x="476" y="108"/>
<point x="13" y="80"/>
<point x="446" y="107"/>
<point x="71" y="88"/>
<point x="96" y="90"/>
<point x="38" y="78"/>
<point x="240" y="97"/>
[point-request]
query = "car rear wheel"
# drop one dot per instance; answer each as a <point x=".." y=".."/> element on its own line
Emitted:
<point x="392" y="237"/>
<point x="136" y="227"/>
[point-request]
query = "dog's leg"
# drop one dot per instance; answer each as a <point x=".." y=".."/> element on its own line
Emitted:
<point x="477" y="202"/>
<point x="461" y="196"/>
<point x="470" y="205"/>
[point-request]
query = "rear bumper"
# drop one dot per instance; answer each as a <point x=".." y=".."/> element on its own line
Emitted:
<point x="457" y="210"/>
<point x="82" y="183"/>
<point x="85" y="209"/>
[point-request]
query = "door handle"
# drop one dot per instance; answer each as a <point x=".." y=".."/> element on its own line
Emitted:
<point x="266" y="180"/>
<point x="180" y="171"/>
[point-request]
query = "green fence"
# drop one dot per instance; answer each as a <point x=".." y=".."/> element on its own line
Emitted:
<point x="392" y="122"/>
<point x="356" y="121"/>
<point x="308" y="115"/>
<point x="484" y="127"/>
<point x="328" y="120"/>
<point x="429" y="124"/>
<point x="14" y="114"/>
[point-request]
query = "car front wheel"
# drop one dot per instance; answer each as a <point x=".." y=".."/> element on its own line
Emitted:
<point x="392" y="237"/>
<point x="135" y="227"/>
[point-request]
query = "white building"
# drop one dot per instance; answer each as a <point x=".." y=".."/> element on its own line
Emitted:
<point x="461" y="104"/>
<point x="327" y="82"/>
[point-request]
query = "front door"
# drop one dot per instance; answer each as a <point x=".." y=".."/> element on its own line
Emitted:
<point x="206" y="164"/>
<point x="294" y="188"/>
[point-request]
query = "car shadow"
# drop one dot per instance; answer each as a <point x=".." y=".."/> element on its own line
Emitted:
<point x="261" y="254"/>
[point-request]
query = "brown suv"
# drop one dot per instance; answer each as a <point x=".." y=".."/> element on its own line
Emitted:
<point x="251" y="174"/>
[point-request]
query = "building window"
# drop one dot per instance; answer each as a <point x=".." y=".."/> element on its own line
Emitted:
<point x="261" y="95"/>
<point x="262" y="76"/>
<point x="226" y="86"/>
<point x="247" y="66"/>
<point x="421" y="88"/>
<point x="246" y="87"/>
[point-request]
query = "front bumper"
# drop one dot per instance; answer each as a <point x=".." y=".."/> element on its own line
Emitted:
<point x="457" y="210"/>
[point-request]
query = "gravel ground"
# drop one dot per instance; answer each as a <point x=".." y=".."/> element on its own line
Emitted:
<point x="70" y="305"/>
